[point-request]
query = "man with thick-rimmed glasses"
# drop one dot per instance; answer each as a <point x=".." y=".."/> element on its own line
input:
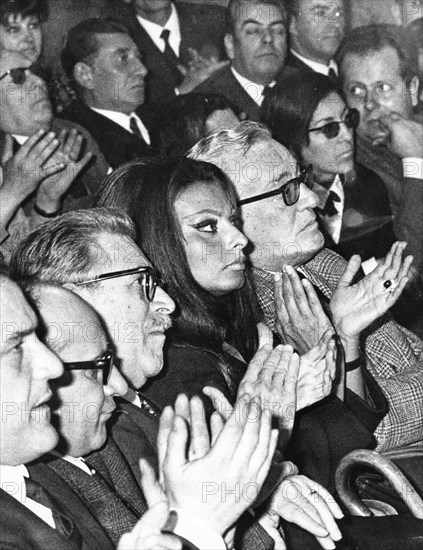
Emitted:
<point x="285" y="238"/>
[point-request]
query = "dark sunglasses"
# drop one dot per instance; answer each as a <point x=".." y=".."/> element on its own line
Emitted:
<point x="331" y="129"/>
<point x="19" y="75"/>
<point x="149" y="279"/>
<point x="290" y="190"/>
<point x="105" y="363"/>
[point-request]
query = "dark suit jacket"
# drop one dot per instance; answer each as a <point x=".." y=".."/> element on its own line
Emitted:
<point x="116" y="144"/>
<point x="223" y="82"/>
<point x="295" y="63"/>
<point x="21" y="529"/>
<point x="202" y="28"/>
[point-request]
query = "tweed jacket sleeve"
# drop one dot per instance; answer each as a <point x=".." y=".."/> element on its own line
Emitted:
<point x="393" y="356"/>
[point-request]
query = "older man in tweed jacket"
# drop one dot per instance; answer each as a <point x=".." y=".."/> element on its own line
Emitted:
<point x="283" y="231"/>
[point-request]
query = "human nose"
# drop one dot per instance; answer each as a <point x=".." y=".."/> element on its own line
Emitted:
<point x="370" y="101"/>
<point x="116" y="384"/>
<point x="45" y="364"/>
<point x="345" y="133"/>
<point x="140" y="68"/>
<point x="162" y="302"/>
<point x="267" y="36"/>
<point x="236" y="239"/>
<point x="308" y="199"/>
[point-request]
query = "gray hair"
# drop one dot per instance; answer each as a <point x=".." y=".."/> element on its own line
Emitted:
<point x="236" y="141"/>
<point x="66" y="249"/>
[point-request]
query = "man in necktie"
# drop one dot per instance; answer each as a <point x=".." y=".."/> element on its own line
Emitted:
<point x="277" y="207"/>
<point x="315" y="32"/>
<point x="105" y="63"/>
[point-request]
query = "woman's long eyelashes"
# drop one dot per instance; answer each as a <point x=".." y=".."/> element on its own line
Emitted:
<point x="206" y="226"/>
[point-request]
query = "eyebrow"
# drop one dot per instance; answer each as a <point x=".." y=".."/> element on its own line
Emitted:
<point x="254" y="22"/>
<point x="284" y="175"/>
<point x="204" y="211"/>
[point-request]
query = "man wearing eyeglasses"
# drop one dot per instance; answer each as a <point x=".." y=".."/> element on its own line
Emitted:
<point x="279" y="220"/>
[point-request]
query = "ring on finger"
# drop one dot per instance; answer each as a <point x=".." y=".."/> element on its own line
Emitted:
<point x="389" y="285"/>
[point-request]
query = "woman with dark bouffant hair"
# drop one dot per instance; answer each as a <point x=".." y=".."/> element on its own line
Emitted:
<point x="310" y="118"/>
<point x="188" y="225"/>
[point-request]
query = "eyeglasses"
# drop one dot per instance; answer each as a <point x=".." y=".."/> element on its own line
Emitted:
<point x="290" y="190"/>
<point x="150" y="279"/>
<point x="104" y="363"/>
<point x="331" y="129"/>
<point x="19" y="75"/>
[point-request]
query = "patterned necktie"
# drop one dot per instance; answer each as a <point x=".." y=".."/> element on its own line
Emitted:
<point x="169" y="54"/>
<point x="64" y="525"/>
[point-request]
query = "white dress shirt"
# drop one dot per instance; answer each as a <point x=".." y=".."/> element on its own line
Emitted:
<point x="124" y="121"/>
<point x="154" y="31"/>
<point x="12" y="481"/>
<point x="254" y="90"/>
<point x="333" y="223"/>
<point x="317" y="67"/>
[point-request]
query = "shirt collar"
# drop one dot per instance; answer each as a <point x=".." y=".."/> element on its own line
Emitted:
<point x="254" y="90"/>
<point x="317" y="67"/>
<point x="323" y="192"/>
<point x="12" y="480"/>
<point x="124" y="121"/>
<point x="20" y="139"/>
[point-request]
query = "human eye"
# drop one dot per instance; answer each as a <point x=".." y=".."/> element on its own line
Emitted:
<point x="356" y="91"/>
<point x="207" y="226"/>
<point x="384" y="88"/>
<point x="12" y="29"/>
<point x="252" y="30"/>
<point x="123" y="58"/>
<point x="235" y="220"/>
<point x="93" y="374"/>
<point x="279" y="30"/>
<point x="34" y="25"/>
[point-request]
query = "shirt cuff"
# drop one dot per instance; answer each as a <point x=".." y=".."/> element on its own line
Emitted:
<point x="412" y="167"/>
<point x="197" y="531"/>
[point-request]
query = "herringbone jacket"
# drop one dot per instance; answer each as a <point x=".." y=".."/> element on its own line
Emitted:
<point x="393" y="355"/>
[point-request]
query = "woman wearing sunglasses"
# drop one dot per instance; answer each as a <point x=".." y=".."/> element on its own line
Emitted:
<point x="310" y="118"/>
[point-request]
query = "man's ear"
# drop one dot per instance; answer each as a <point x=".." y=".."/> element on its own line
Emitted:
<point x="229" y="45"/>
<point x="414" y="90"/>
<point x="83" y="74"/>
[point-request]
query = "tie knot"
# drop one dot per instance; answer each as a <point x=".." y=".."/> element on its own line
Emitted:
<point x="165" y="35"/>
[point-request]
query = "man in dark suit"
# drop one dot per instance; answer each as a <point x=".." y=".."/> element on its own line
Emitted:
<point x="105" y="64"/>
<point x="315" y="32"/>
<point x="255" y="42"/>
<point x="180" y="44"/>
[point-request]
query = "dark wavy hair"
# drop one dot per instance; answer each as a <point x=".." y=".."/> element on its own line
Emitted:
<point x="288" y="108"/>
<point x="147" y="191"/>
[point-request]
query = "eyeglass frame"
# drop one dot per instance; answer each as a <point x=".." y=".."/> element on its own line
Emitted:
<point x="351" y="120"/>
<point x="150" y="271"/>
<point x="104" y="363"/>
<point x="298" y="180"/>
<point x="35" y="69"/>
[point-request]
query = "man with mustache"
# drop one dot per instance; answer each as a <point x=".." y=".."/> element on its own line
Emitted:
<point x="105" y="64"/>
<point x="255" y="42"/>
<point x="378" y="80"/>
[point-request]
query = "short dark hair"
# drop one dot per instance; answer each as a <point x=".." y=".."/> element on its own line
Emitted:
<point x="181" y="122"/>
<point x="369" y="39"/>
<point x="65" y="250"/>
<point x="234" y="8"/>
<point x="24" y="8"/>
<point x="288" y="108"/>
<point x="82" y="43"/>
<point x="147" y="191"/>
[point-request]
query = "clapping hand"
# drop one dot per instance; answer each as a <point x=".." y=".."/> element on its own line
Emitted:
<point x="68" y="155"/>
<point x="147" y="533"/>
<point x="301" y="320"/>
<point x="234" y="467"/>
<point x="354" y="307"/>
<point x="200" y="68"/>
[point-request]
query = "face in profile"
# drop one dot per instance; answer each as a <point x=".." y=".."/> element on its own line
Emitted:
<point x="258" y="46"/>
<point x="22" y="35"/>
<point x="213" y="243"/>
<point x="83" y="402"/>
<point x="331" y="149"/>
<point x="26" y="367"/>
<point x="373" y="85"/>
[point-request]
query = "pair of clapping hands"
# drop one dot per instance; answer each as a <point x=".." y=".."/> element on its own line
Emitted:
<point x="216" y="478"/>
<point x="46" y="163"/>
